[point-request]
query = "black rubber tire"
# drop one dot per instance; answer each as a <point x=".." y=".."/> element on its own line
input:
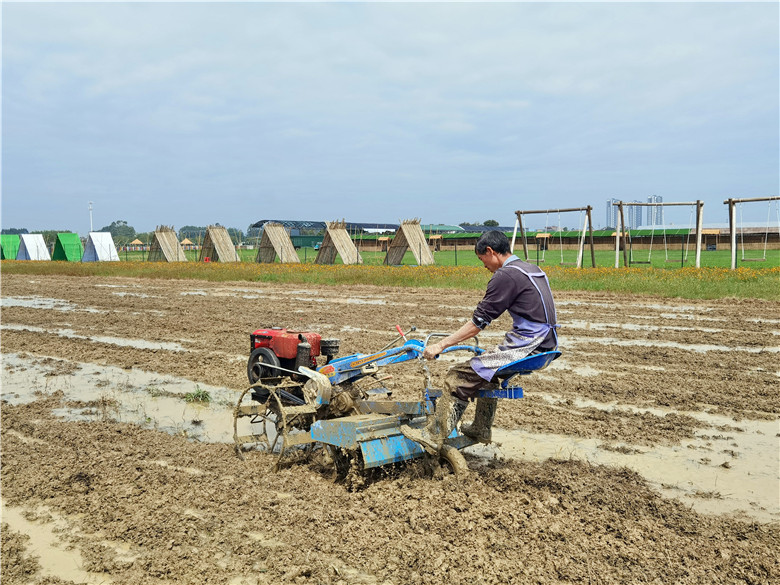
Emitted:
<point x="254" y="367"/>
<point x="454" y="460"/>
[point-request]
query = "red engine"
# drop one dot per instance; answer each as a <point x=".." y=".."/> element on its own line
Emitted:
<point x="284" y="343"/>
<point x="274" y="350"/>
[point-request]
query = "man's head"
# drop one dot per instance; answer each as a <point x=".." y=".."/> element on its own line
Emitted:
<point x="492" y="248"/>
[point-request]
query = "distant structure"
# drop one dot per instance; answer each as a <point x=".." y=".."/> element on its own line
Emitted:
<point x="100" y="248"/>
<point x="276" y="241"/>
<point x="217" y="246"/>
<point x="337" y="241"/>
<point x="611" y="219"/>
<point x="32" y="247"/>
<point x="68" y="247"/>
<point x="634" y="219"/>
<point x="409" y="237"/>
<point x="9" y="246"/>
<point x="165" y="246"/>
<point x="655" y="213"/>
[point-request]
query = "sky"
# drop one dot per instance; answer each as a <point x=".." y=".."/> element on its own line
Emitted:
<point x="201" y="113"/>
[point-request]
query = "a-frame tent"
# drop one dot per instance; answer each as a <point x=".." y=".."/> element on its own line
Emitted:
<point x="165" y="246"/>
<point x="9" y="246"/>
<point x="32" y="247"/>
<point x="100" y="248"/>
<point x="217" y="246"/>
<point x="337" y="241"/>
<point x="68" y="247"/>
<point x="276" y="241"/>
<point x="409" y="237"/>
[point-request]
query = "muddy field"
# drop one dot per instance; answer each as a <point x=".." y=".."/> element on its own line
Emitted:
<point x="647" y="454"/>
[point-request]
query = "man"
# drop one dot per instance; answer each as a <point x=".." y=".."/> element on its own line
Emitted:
<point x="521" y="289"/>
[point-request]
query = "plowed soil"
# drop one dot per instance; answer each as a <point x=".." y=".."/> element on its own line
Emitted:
<point x="647" y="454"/>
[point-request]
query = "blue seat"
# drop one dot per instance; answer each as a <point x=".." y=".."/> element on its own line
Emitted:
<point x="527" y="365"/>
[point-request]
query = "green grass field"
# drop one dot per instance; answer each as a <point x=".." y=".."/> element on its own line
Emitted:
<point x="662" y="281"/>
<point x="466" y="257"/>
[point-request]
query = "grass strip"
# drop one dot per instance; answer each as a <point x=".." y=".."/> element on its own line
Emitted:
<point x="690" y="283"/>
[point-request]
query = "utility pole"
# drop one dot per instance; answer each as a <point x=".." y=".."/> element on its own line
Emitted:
<point x="90" y="216"/>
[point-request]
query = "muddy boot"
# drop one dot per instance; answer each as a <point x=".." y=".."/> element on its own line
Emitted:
<point x="481" y="428"/>
<point x="432" y="436"/>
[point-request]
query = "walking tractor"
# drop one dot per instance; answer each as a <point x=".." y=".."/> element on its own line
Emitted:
<point x="339" y="407"/>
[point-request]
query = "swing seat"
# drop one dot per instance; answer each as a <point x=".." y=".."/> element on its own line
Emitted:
<point x="640" y="262"/>
<point x="754" y="259"/>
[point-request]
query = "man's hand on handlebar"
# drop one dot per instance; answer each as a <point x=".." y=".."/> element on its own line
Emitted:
<point x="432" y="351"/>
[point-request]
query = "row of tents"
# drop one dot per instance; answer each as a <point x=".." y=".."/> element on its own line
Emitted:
<point x="217" y="246"/>
<point x="68" y="247"/>
<point x="99" y="246"/>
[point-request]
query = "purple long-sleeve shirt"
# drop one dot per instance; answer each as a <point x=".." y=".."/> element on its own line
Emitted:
<point x="511" y="290"/>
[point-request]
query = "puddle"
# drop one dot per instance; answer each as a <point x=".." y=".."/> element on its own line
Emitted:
<point x="199" y="293"/>
<point x="46" y="303"/>
<point x="56" y="559"/>
<point x="69" y="333"/>
<point x="581" y="324"/>
<point x="697" y="347"/>
<point x="134" y="294"/>
<point x="135" y="396"/>
<point x="693" y="472"/>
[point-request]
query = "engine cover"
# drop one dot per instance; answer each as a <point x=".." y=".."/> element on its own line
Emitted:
<point x="284" y="342"/>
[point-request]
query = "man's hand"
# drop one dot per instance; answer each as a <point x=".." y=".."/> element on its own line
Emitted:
<point x="432" y="351"/>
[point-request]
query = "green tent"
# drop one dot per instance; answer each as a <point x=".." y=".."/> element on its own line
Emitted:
<point x="9" y="246"/>
<point x="68" y="247"/>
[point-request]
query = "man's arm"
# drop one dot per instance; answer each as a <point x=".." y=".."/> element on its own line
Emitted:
<point x="465" y="332"/>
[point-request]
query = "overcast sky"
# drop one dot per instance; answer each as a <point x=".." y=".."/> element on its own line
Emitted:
<point x="199" y="113"/>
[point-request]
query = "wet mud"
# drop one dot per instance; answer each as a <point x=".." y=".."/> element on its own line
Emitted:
<point x="647" y="453"/>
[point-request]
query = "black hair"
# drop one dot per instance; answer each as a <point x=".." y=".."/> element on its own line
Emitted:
<point x="492" y="239"/>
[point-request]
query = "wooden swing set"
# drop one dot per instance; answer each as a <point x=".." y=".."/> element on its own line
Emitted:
<point x="587" y="226"/>
<point x="623" y="236"/>
<point x="732" y="203"/>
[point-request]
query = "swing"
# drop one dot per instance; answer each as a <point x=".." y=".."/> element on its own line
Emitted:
<point x="560" y="238"/>
<point x="742" y="234"/>
<point x="631" y="260"/>
<point x="687" y="241"/>
<point x="542" y="240"/>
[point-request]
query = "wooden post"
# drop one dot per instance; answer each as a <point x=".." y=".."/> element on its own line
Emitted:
<point x="514" y="237"/>
<point x="699" y="224"/>
<point x="618" y="227"/>
<point x="733" y="232"/>
<point x="623" y="234"/>
<point x="522" y="235"/>
<point x="590" y="237"/>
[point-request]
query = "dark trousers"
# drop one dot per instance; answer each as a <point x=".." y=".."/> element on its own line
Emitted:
<point x="463" y="382"/>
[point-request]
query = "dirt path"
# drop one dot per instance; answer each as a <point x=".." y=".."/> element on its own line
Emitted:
<point x="655" y="406"/>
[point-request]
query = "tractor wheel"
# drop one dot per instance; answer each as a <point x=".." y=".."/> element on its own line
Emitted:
<point x="254" y="367"/>
<point x="453" y="459"/>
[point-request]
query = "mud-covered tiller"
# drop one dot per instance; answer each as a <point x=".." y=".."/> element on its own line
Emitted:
<point x="293" y="403"/>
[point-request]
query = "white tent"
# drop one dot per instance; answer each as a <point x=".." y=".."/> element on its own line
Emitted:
<point x="32" y="247"/>
<point x="100" y="247"/>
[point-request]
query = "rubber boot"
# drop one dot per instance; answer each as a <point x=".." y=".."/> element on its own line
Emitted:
<point x="482" y="427"/>
<point x="432" y="436"/>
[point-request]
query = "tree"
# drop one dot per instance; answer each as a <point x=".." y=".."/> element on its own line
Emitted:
<point x="50" y="236"/>
<point x="15" y="231"/>
<point x="491" y="223"/>
<point x="120" y="231"/>
<point x="196" y="233"/>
